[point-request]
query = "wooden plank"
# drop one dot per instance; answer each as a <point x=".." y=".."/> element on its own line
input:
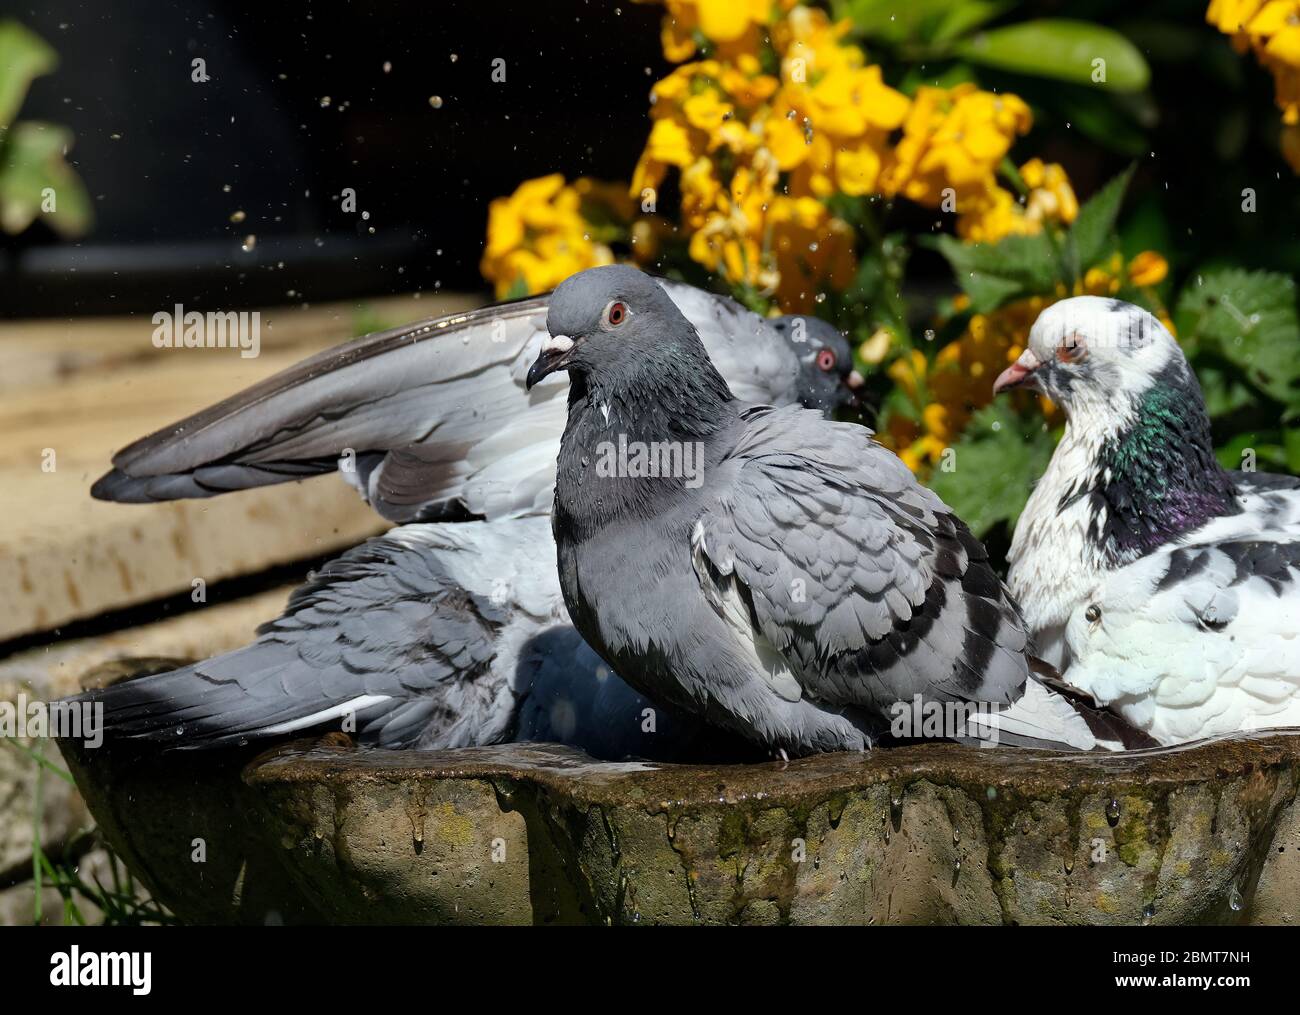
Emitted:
<point x="86" y="389"/>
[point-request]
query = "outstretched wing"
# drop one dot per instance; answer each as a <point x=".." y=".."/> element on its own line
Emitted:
<point x="426" y="420"/>
<point x="860" y="580"/>
<point x="446" y="387"/>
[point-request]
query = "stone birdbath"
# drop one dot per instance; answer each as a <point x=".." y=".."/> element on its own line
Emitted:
<point x="320" y="831"/>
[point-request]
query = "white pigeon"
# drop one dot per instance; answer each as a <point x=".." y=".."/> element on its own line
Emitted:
<point x="1159" y="583"/>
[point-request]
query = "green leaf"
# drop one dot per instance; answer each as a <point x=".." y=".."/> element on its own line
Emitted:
<point x="24" y="55"/>
<point x="894" y="22"/>
<point x="36" y="180"/>
<point x="518" y="288"/>
<point x="1247" y="318"/>
<point x="1092" y="233"/>
<point x="1264" y="452"/>
<point x="962" y="17"/>
<point x="1291" y="443"/>
<point x="992" y="273"/>
<point x="994" y="465"/>
<point x="1076" y="51"/>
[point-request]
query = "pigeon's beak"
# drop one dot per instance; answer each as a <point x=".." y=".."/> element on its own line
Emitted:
<point x="1020" y="372"/>
<point x="855" y="380"/>
<point x="549" y="360"/>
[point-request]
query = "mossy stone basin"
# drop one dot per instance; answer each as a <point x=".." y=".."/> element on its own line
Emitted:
<point x="525" y="833"/>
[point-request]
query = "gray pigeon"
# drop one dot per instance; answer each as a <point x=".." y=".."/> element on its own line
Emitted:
<point x="1158" y="581"/>
<point x="432" y="420"/>
<point x="436" y="634"/>
<point x="782" y="576"/>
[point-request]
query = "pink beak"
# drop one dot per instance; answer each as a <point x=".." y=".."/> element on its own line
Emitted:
<point x="1016" y="374"/>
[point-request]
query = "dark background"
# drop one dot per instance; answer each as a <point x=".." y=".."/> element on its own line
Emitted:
<point x="574" y="100"/>
<point x="155" y="150"/>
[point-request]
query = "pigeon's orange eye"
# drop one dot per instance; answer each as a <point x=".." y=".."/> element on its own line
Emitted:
<point x="1072" y="351"/>
<point x="826" y="360"/>
<point x="616" y="313"/>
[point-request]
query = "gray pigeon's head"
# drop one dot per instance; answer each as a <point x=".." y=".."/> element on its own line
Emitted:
<point x="614" y="316"/>
<point x="1095" y="355"/>
<point x="827" y="379"/>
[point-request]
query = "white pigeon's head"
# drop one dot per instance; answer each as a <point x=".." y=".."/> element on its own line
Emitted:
<point x="1093" y="354"/>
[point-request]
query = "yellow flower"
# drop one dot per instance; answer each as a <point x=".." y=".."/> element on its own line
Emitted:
<point x="814" y="251"/>
<point x="1051" y="198"/>
<point x="1147" y="268"/>
<point x="732" y="25"/>
<point x="832" y="117"/>
<point x="1271" y="28"/>
<point x="989" y="215"/>
<point x="537" y="237"/>
<point x="874" y="349"/>
<point x="669" y="144"/>
<point x="1231" y="16"/>
<point x="954" y="138"/>
<point x="727" y="238"/>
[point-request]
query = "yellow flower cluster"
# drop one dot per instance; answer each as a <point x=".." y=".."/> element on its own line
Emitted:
<point x="1271" y="28"/>
<point x="731" y="25"/>
<point x="783" y="114"/>
<point x="758" y="154"/>
<point x="538" y="236"/>
<point x="960" y="380"/>
<point x="995" y="213"/>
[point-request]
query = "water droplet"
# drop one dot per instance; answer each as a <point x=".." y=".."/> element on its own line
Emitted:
<point x="929" y="334"/>
<point x="1235" y="901"/>
<point x="324" y="102"/>
<point x="388" y="67"/>
<point x="435" y="101"/>
<point x="956" y="836"/>
<point x="1112" y="812"/>
<point x="250" y="241"/>
<point x="454" y="57"/>
<point x="238" y="217"/>
<point x="1148" y="913"/>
